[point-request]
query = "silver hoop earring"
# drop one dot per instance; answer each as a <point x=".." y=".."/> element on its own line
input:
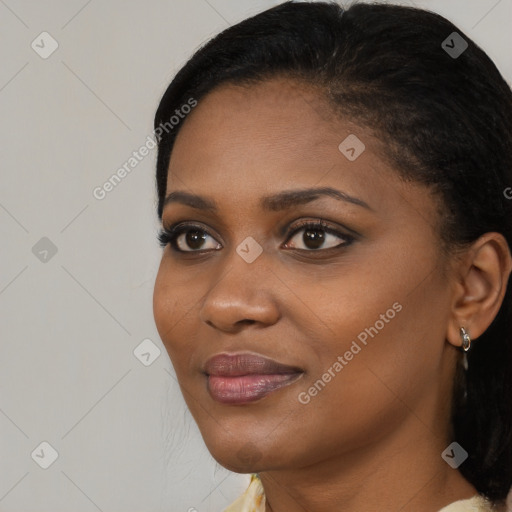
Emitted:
<point x="466" y="345"/>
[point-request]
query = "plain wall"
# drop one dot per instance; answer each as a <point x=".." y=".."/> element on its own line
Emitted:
<point x="70" y="321"/>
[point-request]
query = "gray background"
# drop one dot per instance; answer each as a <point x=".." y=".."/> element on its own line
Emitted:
<point x="70" y="321"/>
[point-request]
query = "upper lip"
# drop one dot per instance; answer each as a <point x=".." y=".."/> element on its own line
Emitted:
<point x="245" y="363"/>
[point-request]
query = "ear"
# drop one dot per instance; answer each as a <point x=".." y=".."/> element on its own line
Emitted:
<point x="482" y="276"/>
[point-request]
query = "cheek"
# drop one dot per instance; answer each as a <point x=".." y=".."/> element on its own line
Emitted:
<point x="385" y="369"/>
<point x="379" y="332"/>
<point x="174" y="304"/>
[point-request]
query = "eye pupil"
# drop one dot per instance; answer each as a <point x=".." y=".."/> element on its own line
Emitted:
<point x="317" y="238"/>
<point x="195" y="238"/>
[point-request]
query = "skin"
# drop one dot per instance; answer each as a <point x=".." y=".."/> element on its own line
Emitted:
<point x="372" y="438"/>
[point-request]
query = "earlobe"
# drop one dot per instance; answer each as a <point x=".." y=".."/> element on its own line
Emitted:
<point x="479" y="292"/>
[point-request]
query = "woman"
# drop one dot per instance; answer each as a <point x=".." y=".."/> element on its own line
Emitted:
<point x="334" y="289"/>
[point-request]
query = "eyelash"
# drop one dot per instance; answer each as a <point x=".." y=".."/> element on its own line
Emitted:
<point x="169" y="235"/>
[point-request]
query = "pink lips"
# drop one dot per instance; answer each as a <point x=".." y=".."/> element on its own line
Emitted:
<point x="245" y="377"/>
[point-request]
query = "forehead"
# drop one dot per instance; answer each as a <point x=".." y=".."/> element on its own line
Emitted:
<point x="259" y="129"/>
<point x="273" y="115"/>
<point x="243" y="142"/>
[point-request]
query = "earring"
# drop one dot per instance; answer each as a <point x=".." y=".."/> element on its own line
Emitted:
<point x="466" y="345"/>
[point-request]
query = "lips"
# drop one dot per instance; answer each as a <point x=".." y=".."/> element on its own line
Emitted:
<point x="244" y="377"/>
<point x="236" y="365"/>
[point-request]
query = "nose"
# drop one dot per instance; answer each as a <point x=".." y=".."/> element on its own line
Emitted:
<point x="244" y="295"/>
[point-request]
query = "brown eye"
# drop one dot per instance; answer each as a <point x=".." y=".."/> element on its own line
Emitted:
<point x="318" y="235"/>
<point x="194" y="239"/>
<point x="186" y="238"/>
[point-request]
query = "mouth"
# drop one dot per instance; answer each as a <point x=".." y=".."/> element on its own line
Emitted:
<point x="245" y="377"/>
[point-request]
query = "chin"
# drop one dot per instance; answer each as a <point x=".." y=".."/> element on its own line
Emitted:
<point x="239" y="457"/>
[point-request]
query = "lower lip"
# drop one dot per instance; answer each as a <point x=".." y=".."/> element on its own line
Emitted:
<point x="247" y="388"/>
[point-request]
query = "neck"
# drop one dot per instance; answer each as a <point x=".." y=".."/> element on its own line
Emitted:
<point x="402" y="472"/>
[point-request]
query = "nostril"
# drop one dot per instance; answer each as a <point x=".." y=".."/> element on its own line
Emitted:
<point x="246" y="322"/>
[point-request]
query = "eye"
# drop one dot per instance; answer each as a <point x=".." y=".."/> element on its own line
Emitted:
<point x="181" y="236"/>
<point x="318" y="235"/>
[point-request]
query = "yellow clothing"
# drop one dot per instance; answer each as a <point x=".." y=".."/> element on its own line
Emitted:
<point x="253" y="500"/>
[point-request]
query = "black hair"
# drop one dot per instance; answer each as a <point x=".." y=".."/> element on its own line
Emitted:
<point x="445" y="120"/>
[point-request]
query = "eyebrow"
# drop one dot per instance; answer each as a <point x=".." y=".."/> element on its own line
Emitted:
<point x="277" y="202"/>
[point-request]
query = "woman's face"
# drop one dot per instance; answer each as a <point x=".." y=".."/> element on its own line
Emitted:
<point x="359" y="309"/>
